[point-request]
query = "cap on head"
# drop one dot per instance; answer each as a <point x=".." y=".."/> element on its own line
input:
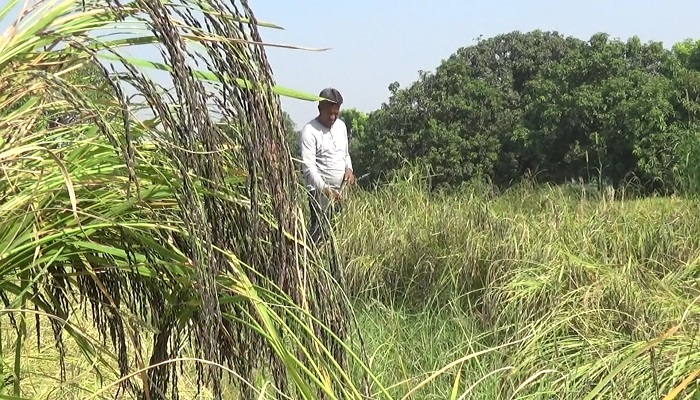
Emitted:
<point x="332" y="95"/>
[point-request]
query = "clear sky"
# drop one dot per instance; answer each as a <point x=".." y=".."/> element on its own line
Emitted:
<point x="376" y="42"/>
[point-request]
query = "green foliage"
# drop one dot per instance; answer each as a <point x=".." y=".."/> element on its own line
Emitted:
<point x="687" y="171"/>
<point x="541" y="104"/>
<point x="688" y="52"/>
<point x="356" y="122"/>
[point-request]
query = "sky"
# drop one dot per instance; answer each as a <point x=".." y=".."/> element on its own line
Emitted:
<point x="376" y="42"/>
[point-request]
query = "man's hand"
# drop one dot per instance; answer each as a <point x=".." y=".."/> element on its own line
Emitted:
<point x="332" y="194"/>
<point x="349" y="176"/>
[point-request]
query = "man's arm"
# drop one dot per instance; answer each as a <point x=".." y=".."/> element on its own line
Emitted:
<point x="307" y="143"/>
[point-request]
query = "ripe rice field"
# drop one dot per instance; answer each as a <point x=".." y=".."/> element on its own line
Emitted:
<point x="537" y="293"/>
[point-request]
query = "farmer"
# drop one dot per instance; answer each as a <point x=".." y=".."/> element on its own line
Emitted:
<point x="326" y="162"/>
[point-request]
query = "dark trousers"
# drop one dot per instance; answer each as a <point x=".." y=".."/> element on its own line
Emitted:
<point x="322" y="215"/>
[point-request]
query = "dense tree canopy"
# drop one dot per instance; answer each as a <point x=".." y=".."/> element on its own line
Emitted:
<point x="542" y="104"/>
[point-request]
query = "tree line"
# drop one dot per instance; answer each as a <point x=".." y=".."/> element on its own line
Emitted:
<point x="545" y="106"/>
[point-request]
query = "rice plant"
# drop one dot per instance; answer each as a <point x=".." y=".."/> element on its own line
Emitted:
<point x="594" y="298"/>
<point x="170" y="216"/>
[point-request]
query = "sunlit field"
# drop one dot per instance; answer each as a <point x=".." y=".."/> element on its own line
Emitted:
<point x="153" y="244"/>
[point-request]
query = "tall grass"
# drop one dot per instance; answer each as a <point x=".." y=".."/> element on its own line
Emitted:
<point x="583" y="279"/>
<point x="169" y="217"/>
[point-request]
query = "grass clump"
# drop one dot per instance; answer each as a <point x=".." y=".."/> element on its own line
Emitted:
<point x="582" y="281"/>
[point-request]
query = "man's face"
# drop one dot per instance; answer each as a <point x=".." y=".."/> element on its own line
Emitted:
<point x="328" y="113"/>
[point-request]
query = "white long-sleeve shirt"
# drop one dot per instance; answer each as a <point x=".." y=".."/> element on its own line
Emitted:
<point x="324" y="154"/>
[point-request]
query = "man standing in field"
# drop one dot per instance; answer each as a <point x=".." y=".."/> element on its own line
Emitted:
<point x="326" y="162"/>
